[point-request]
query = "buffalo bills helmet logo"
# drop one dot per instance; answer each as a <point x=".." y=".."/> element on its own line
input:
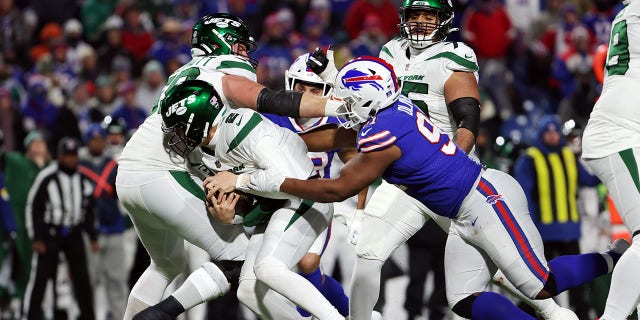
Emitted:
<point x="355" y="79"/>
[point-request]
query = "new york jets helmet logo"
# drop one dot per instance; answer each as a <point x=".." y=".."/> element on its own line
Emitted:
<point x="179" y="108"/>
<point x="223" y="22"/>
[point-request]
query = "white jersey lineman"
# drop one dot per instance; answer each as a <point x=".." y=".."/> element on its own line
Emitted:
<point x="165" y="201"/>
<point x="611" y="147"/>
<point x="245" y="142"/>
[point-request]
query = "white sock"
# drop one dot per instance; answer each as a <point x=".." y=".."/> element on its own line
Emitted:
<point x="147" y="291"/>
<point x="264" y="302"/>
<point x="624" y="292"/>
<point x="204" y="284"/>
<point x="278" y="277"/>
<point x="365" y="288"/>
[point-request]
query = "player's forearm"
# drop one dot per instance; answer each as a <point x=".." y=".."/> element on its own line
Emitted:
<point x="465" y="139"/>
<point x="318" y="190"/>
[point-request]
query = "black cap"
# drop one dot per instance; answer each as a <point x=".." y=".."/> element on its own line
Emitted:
<point x="68" y="145"/>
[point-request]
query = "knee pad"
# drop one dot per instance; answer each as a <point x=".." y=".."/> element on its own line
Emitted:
<point x="268" y="270"/>
<point x="463" y="308"/>
<point x="246" y="292"/>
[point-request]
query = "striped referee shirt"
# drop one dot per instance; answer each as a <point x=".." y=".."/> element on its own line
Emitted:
<point x="60" y="200"/>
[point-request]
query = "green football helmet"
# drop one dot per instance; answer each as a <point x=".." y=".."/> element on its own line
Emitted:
<point x="189" y="110"/>
<point x="411" y="31"/>
<point x="215" y="34"/>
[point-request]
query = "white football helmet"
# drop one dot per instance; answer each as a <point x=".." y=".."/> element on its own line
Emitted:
<point x="366" y="84"/>
<point x="299" y="72"/>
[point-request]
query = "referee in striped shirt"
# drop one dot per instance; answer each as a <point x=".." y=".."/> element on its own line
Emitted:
<point x="58" y="212"/>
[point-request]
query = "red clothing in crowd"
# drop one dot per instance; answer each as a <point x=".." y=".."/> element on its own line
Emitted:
<point x="489" y="31"/>
<point x="360" y="9"/>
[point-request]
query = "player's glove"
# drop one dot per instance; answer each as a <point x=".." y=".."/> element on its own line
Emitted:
<point x="323" y="65"/>
<point x="355" y="227"/>
<point x="266" y="180"/>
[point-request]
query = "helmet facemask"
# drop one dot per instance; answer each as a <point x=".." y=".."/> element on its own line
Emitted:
<point x="424" y="34"/>
<point x="189" y="111"/>
<point x="366" y="85"/>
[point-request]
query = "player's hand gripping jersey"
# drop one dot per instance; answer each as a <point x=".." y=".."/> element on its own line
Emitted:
<point x="422" y="77"/>
<point x="146" y="150"/>
<point x="432" y="168"/>
<point x="614" y="124"/>
<point x="245" y="141"/>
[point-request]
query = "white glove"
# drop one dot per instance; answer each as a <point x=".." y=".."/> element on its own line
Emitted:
<point x="355" y="227"/>
<point x="265" y="180"/>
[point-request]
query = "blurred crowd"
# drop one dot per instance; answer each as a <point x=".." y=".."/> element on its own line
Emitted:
<point x="67" y="65"/>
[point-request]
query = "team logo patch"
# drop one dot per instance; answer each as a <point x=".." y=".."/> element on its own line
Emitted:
<point x="354" y="80"/>
<point x="492" y="199"/>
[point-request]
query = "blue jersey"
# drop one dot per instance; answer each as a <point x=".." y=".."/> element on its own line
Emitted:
<point x="321" y="160"/>
<point x="432" y="168"/>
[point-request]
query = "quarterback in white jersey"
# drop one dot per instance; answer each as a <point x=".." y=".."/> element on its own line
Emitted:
<point x="611" y="147"/>
<point x="244" y="142"/>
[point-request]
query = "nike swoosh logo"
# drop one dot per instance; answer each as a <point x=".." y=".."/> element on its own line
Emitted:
<point x="473" y="224"/>
<point x="365" y="132"/>
<point x="468" y="56"/>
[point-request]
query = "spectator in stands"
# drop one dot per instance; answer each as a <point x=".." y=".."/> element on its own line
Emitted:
<point x="132" y="114"/>
<point x="153" y="80"/>
<point x="106" y="99"/>
<point x="136" y="38"/>
<point x="371" y="39"/>
<point x="112" y="44"/>
<point x="360" y="9"/>
<point x="93" y="15"/>
<point x="73" y="39"/>
<point x="38" y="111"/>
<point x="15" y="38"/>
<point x="10" y="122"/>
<point x="170" y="43"/>
<point x="488" y="30"/>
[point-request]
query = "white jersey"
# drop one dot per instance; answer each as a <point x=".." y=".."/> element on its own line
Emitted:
<point x="146" y="150"/>
<point x="614" y="124"/>
<point x="246" y="141"/>
<point x="423" y="76"/>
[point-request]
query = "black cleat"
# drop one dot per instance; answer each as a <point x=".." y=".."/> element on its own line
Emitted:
<point x="153" y="313"/>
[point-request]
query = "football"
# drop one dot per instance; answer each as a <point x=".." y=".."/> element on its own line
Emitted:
<point x="244" y="204"/>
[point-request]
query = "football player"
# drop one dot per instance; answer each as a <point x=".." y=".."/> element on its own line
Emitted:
<point x="243" y="141"/>
<point x="441" y="78"/>
<point x="490" y="224"/>
<point x="611" y="147"/>
<point x="160" y="189"/>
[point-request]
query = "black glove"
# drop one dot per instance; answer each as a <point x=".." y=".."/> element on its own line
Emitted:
<point x="318" y="60"/>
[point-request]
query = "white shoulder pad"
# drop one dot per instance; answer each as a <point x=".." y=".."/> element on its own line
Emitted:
<point x="458" y="57"/>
